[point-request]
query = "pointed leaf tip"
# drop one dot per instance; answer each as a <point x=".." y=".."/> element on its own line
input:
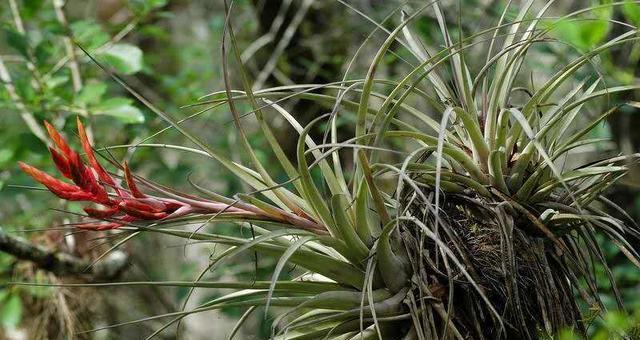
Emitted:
<point x="88" y="150"/>
<point x="61" y="163"/>
<point x="54" y="185"/>
<point x="58" y="140"/>
<point x="86" y="145"/>
<point x="131" y="182"/>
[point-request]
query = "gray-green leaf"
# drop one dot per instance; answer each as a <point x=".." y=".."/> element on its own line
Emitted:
<point x="125" y="58"/>
<point x="91" y="93"/>
<point x="121" y="109"/>
<point x="127" y="114"/>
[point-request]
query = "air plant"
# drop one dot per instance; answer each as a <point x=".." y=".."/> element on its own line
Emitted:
<point x="129" y="205"/>
<point x="483" y="234"/>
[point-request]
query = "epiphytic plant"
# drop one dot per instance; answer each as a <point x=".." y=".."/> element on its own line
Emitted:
<point x="483" y="234"/>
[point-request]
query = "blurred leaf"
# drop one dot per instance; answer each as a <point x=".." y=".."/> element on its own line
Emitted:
<point x="567" y="334"/>
<point x="155" y="32"/>
<point x="122" y="109"/>
<point x="17" y="41"/>
<point x="154" y="3"/>
<point x="6" y="155"/>
<point x="43" y="51"/>
<point x="11" y="312"/>
<point x="91" y="93"/>
<point x="143" y="7"/>
<point x="127" y="114"/>
<point x="217" y="22"/>
<point x="53" y="27"/>
<point x="631" y="11"/>
<point x="30" y="8"/>
<point x="32" y="143"/>
<point x="587" y="33"/>
<point x="125" y="58"/>
<point x="89" y="34"/>
<point x="112" y="103"/>
<point x="24" y="88"/>
<point x="56" y="81"/>
<point x="617" y="321"/>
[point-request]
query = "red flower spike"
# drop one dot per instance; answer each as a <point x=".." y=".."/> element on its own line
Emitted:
<point x="75" y="195"/>
<point x="61" y="189"/>
<point x="101" y="195"/>
<point x="87" y="187"/>
<point x="131" y="210"/>
<point x="79" y="173"/>
<point x="58" y="140"/>
<point x="122" y="206"/>
<point x="45" y="179"/>
<point x="131" y="184"/>
<point x="61" y="163"/>
<point x="136" y="204"/>
<point x="157" y="204"/>
<point x="101" y="214"/>
<point x="86" y="146"/>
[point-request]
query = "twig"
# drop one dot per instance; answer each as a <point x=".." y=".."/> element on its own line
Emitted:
<point x="74" y="67"/>
<point x="60" y="263"/>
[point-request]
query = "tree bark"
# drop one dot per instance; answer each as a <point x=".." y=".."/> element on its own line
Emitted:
<point x="60" y="263"/>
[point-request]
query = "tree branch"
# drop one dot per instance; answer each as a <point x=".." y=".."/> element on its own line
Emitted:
<point x="61" y="263"/>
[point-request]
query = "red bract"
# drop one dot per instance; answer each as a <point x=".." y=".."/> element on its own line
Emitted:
<point x="61" y="189"/>
<point x="115" y="206"/>
<point x="92" y="182"/>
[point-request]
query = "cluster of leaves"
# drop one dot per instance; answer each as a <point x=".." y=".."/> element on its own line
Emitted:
<point x="50" y="60"/>
<point x="489" y="145"/>
<point x="497" y="149"/>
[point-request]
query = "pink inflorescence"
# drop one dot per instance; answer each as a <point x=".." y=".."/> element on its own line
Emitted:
<point x="91" y="183"/>
<point x="113" y="206"/>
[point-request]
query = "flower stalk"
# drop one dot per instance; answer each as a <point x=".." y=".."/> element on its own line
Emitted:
<point x="112" y="205"/>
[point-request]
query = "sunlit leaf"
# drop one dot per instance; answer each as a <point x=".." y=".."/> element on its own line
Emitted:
<point x="17" y="41"/>
<point x="89" y="34"/>
<point x="631" y="11"/>
<point x="120" y="108"/>
<point x="91" y="93"/>
<point x="125" y="58"/>
<point x="127" y="114"/>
